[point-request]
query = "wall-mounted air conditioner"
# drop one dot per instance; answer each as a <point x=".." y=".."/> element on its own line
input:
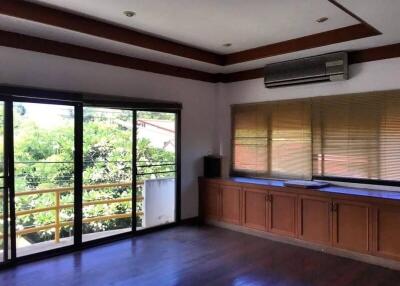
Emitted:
<point x="329" y="67"/>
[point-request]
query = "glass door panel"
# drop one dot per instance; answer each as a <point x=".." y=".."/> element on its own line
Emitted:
<point x="107" y="172"/>
<point x="3" y="216"/>
<point x="155" y="180"/>
<point x="44" y="176"/>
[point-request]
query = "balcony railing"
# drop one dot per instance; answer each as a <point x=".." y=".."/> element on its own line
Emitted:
<point x="58" y="224"/>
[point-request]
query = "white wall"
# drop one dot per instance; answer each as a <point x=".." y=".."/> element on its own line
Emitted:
<point x="371" y="76"/>
<point x="206" y="106"/>
<point x="26" y="68"/>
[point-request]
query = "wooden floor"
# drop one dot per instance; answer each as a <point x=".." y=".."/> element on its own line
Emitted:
<point x="191" y="255"/>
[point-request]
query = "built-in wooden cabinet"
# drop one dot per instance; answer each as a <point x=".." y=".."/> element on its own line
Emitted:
<point x="358" y="224"/>
<point x="282" y="213"/>
<point x="255" y="208"/>
<point x="230" y="204"/>
<point x="315" y="219"/>
<point x="351" y="225"/>
<point x="271" y="211"/>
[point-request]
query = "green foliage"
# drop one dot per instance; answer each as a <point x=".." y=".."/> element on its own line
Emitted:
<point x="156" y="115"/>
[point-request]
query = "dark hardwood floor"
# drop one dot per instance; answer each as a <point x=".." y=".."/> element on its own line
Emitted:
<point x="190" y="255"/>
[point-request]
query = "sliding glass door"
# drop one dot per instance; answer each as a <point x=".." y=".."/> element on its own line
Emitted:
<point x="72" y="173"/>
<point x="107" y="172"/>
<point x="44" y="176"/>
<point x="156" y="168"/>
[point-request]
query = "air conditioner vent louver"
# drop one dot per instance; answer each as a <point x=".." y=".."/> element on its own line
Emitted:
<point x="329" y="67"/>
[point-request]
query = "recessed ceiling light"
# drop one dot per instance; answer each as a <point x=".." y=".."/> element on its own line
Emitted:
<point x="227" y="45"/>
<point x="322" y="19"/>
<point x="129" y="13"/>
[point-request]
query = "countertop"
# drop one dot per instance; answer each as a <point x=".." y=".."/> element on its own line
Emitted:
<point x="363" y="192"/>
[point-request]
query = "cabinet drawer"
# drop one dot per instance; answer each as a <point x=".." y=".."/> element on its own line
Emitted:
<point x="230" y="204"/>
<point x="211" y="201"/>
<point x="387" y="231"/>
<point x="351" y="225"/>
<point x="255" y="209"/>
<point x="282" y="213"/>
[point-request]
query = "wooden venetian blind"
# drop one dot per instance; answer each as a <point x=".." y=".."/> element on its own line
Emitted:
<point x="250" y="139"/>
<point x="272" y="139"/>
<point x="357" y="136"/>
<point x="291" y="139"/>
<point x="389" y="151"/>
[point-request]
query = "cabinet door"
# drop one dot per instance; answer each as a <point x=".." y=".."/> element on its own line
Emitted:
<point x="282" y="213"/>
<point x="211" y="201"/>
<point x="387" y="231"/>
<point x="255" y="208"/>
<point x="351" y="225"/>
<point x="315" y="219"/>
<point x="230" y="196"/>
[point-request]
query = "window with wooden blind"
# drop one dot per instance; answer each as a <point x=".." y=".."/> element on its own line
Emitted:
<point x="251" y="140"/>
<point x="353" y="136"/>
<point x="272" y="139"/>
<point x="357" y="136"/>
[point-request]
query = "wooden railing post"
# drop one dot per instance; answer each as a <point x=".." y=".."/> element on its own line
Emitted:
<point x="57" y="222"/>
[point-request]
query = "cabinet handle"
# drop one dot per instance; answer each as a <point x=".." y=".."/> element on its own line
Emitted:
<point x="334" y="207"/>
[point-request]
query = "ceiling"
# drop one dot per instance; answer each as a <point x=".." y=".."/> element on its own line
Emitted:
<point x="208" y="24"/>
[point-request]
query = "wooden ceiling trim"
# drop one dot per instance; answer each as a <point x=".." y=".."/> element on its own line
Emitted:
<point x="345" y="34"/>
<point x="358" y="31"/>
<point x="61" y="19"/>
<point x="241" y="75"/>
<point x="19" y="41"/>
<point x="375" y="54"/>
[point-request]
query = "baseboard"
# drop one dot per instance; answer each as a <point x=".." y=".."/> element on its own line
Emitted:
<point x="190" y="221"/>
<point x="387" y="263"/>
